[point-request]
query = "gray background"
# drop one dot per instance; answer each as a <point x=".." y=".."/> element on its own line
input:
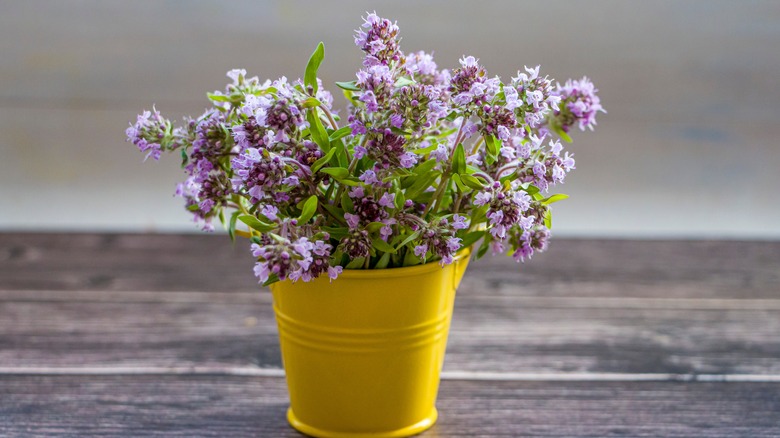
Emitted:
<point x="688" y="149"/>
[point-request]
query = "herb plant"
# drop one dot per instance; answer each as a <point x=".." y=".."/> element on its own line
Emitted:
<point x="425" y="163"/>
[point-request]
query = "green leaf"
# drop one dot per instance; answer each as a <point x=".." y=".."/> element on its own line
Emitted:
<point x="336" y="232"/>
<point x="459" y="159"/>
<point x="232" y="225"/>
<point x="411" y="237"/>
<point x="338" y="173"/>
<point x="310" y="77"/>
<point x="341" y="133"/>
<point x="373" y="227"/>
<point x="218" y="97"/>
<point x="351" y="181"/>
<point x="273" y="278"/>
<point x="311" y="102"/>
<point x="381" y="245"/>
<point x="255" y="223"/>
<point x="422" y="183"/>
<point x="411" y="260"/>
<point x="491" y="144"/>
<point x="554" y="198"/>
<point x="548" y="219"/>
<point x="322" y="160"/>
<point x="425" y="167"/>
<point x="317" y="131"/>
<point x="349" y="86"/>
<point x="335" y="211"/>
<point x="471" y="238"/>
<point x="404" y="81"/>
<point x="462" y="187"/>
<point x="473" y="182"/>
<point x="184" y="157"/>
<point x="346" y="203"/>
<point x="383" y="261"/>
<point x="563" y="135"/>
<point x="423" y="151"/>
<point x="308" y="210"/>
<point x="530" y="189"/>
<point x="397" y="131"/>
<point x="483" y="249"/>
<point x="356" y="263"/>
<point x="400" y="199"/>
<point x="479" y="214"/>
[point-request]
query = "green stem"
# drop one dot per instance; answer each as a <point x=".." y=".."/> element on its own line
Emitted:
<point x="333" y="123"/>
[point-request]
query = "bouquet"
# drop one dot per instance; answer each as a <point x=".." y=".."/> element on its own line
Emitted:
<point x="425" y="163"/>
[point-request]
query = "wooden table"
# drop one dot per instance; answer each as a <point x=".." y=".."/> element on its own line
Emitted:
<point x="169" y="335"/>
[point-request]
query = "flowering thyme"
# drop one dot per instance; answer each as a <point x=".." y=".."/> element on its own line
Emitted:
<point x="426" y="163"/>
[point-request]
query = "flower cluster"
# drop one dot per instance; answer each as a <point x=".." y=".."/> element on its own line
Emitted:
<point x="426" y="164"/>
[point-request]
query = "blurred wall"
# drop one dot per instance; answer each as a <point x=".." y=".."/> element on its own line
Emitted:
<point x="689" y="147"/>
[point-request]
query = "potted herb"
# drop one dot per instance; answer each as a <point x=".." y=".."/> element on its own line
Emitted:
<point x="363" y="224"/>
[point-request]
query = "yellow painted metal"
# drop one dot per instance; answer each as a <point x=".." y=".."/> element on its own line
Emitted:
<point x="363" y="354"/>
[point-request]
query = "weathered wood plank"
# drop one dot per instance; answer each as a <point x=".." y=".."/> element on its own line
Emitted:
<point x="207" y="406"/>
<point x="499" y="334"/>
<point x="571" y="267"/>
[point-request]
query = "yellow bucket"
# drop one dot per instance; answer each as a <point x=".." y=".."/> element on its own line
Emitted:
<point x="363" y="354"/>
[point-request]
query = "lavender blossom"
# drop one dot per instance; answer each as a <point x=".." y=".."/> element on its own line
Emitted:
<point x="260" y="174"/>
<point x="531" y="240"/>
<point x="378" y="38"/>
<point x="301" y="259"/>
<point x="387" y="149"/>
<point x="579" y="105"/>
<point x="505" y="207"/>
<point x="531" y="97"/>
<point x="548" y="167"/>
<point x="149" y="133"/>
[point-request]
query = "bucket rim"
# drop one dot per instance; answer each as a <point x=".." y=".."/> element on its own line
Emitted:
<point x="404" y="271"/>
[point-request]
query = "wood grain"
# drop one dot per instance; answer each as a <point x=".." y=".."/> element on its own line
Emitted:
<point x="487" y="334"/>
<point x="184" y="312"/>
<point x="571" y="267"/>
<point x="205" y="406"/>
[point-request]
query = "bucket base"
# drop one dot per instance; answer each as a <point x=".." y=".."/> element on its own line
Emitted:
<point x="414" y="429"/>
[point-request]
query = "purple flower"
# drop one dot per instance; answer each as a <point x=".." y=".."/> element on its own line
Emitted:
<point x="378" y="38"/>
<point x="352" y="220"/>
<point x="407" y="160"/>
<point x="397" y="120"/>
<point x="531" y="97"/>
<point x="385" y="232"/>
<point x="357" y="244"/>
<point x="459" y="222"/>
<point x="387" y="200"/>
<point x="579" y="104"/>
<point x="298" y="260"/>
<point x="149" y="132"/>
<point x="369" y="177"/>
<point x="548" y="169"/>
<point x="531" y="240"/>
<point x="505" y="207"/>
<point x="421" y="250"/>
<point x="270" y="212"/>
<point x="260" y="174"/>
<point x="357" y="192"/>
<point x="334" y="272"/>
<point x="441" y="153"/>
<point x="370" y="100"/>
<point x="462" y="85"/>
<point x="388" y="150"/>
<point x="357" y="126"/>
